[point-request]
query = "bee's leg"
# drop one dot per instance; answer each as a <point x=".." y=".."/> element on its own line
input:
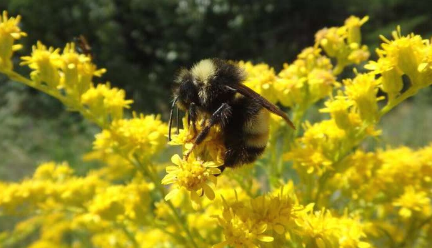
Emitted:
<point x="221" y="168"/>
<point x="192" y="116"/>
<point x="203" y="122"/>
<point x="219" y="116"/>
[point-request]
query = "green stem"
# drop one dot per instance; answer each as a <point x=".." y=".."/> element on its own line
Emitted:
<point x="74" y="105"/>
<point x="391" y="104"/>
<point x="130" y="236"/>
<point x="288" y="138"/>
<point x="339" y="68"/>
<point x="298" y="118"/>
<point x="180" y="220"/>
<point x="246" y="188"/>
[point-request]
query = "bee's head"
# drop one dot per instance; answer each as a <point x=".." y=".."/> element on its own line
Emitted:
<point x="186" y="91"/>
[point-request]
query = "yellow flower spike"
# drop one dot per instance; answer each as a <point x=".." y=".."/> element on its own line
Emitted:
<point x="111" y="204"/>
<point x="321" y="84"/>
<point x="9" y="32"/>
<point x="307" y="80"/>
<point x="339" y="110"/>
<point x="240" y="232"/>
<point x="260" y="78"/>
<point x="330" y="40"/>
<point x="363" y="91"/>
<point x="353" y="25"/>
<point x="319" y="146"/>
<point x="407" y="53"/>
<point x="278" y="211"/>
<point x="193" y="175"/>
<point x="359" y="55"/>
<point x="45" y="63"/>
<point x="321" y="229"/>
<point x="52" y="171"/>
<point x="391" y="75"/>
<point x="412" y="202"/>
<point x="78" y="71"/>
<point x="142" y="136"/>
<point x="105" y="103"/>
<point x="344" y="43"/>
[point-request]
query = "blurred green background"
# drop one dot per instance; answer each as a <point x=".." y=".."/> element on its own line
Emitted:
<point x="142" y="43"/>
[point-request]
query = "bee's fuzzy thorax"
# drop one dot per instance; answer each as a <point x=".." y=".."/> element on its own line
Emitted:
<point x="204" y="70"/>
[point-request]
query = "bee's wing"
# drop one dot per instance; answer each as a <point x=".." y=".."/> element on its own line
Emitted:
<point x="246" y="91"/>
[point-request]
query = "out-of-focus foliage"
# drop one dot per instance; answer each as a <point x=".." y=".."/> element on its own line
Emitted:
<point x="320" y="188"/>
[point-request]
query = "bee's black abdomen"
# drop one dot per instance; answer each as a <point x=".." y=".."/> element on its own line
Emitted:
<point x="246" y="133"/>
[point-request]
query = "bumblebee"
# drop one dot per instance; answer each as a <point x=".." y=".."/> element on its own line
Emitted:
<point x="215" y="89"/>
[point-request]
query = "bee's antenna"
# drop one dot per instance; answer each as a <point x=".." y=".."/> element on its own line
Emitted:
<point x="178" y="121"/>
<point x="171" y="119"/>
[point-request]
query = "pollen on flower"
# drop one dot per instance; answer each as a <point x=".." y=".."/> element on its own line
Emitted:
<point x="141" y="136"/>
<point x="105" y="103"/>
<point x="363" y="91"/>
<point x="45" y="63"/>
<point x="307" y="80"/>
<point x="194" y="175"/>
<point x="212" y="148"/>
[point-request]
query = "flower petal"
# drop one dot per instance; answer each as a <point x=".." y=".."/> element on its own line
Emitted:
<point x="209" y="192"/>
<point x="175" y="159"/>
<point x="171" y="194"/>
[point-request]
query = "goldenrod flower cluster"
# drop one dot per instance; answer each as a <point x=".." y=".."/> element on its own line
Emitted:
<point x="314" y="186"/>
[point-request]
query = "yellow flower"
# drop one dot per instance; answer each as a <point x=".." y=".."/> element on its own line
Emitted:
<point x="116" y="167"/>
<point x="113" y="204"/>
<point x="151" y="238"/>
<point x="241" y="232"/>
<point x="142" y="136"/>
<point x="105" y="103"/>
<point x="193" y="175"/>
<point x="279" y="211"/>
<point x="260" y="78"/>
<point x="358" y="53"/>
<point x="363" y="91"/>
<point x="391" y="76"/>
<point x="413" y="202"/>
<point x="357" y="172"/>
<point x="321" y="229"/>
<point x="54" y="172"/>
<point x="51" y="187"/>
<point x="339" y="111"/>
<point x="399" y="167"/>
<point x="408" y="54"/>
<point x="111" y="238"/>
<point x="320" y="145"/>
<point x="308" y="159"/>
<point x="307" y="80"/>
<point x="331" y="40"/>
<point x="9" y="32"/>
<point x="344" y="43"/>
<point x="320" y="84"/>
<point x="45" y="64"/>
<point x="353" y="25"/>
<point x="78" y="71"/>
